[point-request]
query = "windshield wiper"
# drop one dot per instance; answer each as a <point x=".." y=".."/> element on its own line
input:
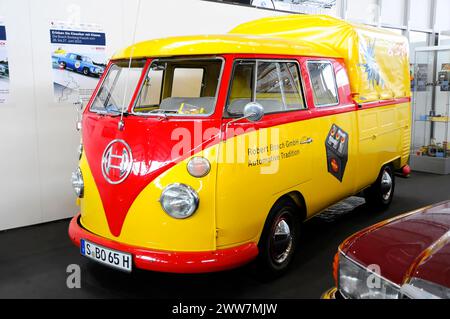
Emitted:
<point x="157" y="111"/>
<point x="161" y="112"/>
<point x="110" y="112"/>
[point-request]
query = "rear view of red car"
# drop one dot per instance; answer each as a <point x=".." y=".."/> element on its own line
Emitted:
<point x="404" y="257"/>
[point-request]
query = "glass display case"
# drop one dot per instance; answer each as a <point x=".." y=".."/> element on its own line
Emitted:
<point x="430" y="73"/>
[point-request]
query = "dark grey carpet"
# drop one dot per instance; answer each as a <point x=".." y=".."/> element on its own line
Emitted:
<point x="33" y="260"/>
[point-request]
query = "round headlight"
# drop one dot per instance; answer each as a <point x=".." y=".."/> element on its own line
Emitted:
<point x="179" y="201"/>
<point x="78" y="183"/>
<point x="198" y="166"/>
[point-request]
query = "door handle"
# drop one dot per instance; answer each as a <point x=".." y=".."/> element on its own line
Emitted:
<point x="309" y="140"/>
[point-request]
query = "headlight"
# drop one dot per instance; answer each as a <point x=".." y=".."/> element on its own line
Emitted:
<point x="78" y="183"/>
<point x="198" y="166"/>
<point x="418" y="288"/>
<point x="179" y="201"/>
<point x="357" y="282"/>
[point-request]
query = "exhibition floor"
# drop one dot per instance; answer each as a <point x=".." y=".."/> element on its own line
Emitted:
<point x="34" y="259"/>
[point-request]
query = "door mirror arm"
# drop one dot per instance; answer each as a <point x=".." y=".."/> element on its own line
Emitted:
<point x="253" y="112"/>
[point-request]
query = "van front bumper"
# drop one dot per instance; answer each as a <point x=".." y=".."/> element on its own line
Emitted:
<point x="170" y="261"/>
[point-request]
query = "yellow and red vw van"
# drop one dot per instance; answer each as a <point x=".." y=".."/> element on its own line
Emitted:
<point x="202" y="153"/>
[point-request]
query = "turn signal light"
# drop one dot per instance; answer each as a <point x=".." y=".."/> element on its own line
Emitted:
<point x="336" y="268"/>
<point x="198" y="167"/>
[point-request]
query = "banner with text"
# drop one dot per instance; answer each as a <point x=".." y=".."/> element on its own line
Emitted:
<point x="78" y="60"/>
<point x="4" y="65"/>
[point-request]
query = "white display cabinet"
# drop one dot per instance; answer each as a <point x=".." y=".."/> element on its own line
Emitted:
<point x="430" y="149"/>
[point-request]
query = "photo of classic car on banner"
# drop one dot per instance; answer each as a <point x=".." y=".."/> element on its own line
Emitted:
<point x="81" y="64"/>
<point x="4" y="69"/>
<point x="407" y="257"/>
<point x="75" y="74"/>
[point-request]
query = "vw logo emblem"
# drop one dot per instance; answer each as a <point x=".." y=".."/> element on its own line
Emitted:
<point x="117" y="162"/>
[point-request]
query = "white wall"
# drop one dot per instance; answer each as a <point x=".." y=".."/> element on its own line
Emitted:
<point x="393" y="12"/>
<point x="38" y="137"/>
<point x="363" y="11"/>
<point x="443" y="15"/>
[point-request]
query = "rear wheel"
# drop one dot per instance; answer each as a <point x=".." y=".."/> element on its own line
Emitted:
<point x="279" y="239"/>
<point x="381" y="193"/>
<point x="62" y="65"/>
<point x="86" y="71"/>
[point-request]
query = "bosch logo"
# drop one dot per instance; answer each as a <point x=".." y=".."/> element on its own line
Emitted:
<point x="117" y="162"/>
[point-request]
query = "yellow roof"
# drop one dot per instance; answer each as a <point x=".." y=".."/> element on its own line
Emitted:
<point x="223" y="44"/>
<point x="377" y="60"/>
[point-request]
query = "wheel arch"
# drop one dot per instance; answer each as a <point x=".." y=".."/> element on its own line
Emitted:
<point x="296" y="198"/>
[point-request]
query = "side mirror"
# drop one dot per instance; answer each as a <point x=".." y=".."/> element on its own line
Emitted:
<point x="253" y="112"/>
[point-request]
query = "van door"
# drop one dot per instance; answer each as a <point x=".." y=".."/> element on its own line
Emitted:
<point x="259" y="162"/>
<point x="334" y="119"/>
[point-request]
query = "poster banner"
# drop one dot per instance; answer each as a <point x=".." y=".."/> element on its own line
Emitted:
<point x="4" y="66"/>
<point x="78" y="60"/>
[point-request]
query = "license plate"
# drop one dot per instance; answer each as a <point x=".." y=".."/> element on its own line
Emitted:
<point x="106" y="256"/>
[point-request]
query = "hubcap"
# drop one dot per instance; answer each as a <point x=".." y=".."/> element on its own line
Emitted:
<point x="386" y="185"/>
<point x="281" y="241"/>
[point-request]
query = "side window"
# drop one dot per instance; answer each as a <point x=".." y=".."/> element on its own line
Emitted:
<point x="323" y="83"/>
<point x="187" y="82"/>
<point x="268" y="87"/>
<point x="277" y="87"/>
<point x="291" y="85"/>
<point x="241" y="92"/>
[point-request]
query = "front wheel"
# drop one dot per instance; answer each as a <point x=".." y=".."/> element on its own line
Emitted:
<point x="381" y="193"/>
<point x="279" y="239"/>
<point x="86" y="71"/>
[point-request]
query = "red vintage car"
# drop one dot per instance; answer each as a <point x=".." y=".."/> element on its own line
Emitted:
<point x="404" y="257"/>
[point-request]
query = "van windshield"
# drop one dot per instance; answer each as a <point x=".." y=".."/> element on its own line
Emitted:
<point x="180" y="87"/>
<point x="118" y="87"/>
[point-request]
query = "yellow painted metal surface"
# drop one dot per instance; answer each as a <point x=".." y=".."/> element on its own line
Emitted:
<point x="242" y="207"/>
<point x="384" y="137"/>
